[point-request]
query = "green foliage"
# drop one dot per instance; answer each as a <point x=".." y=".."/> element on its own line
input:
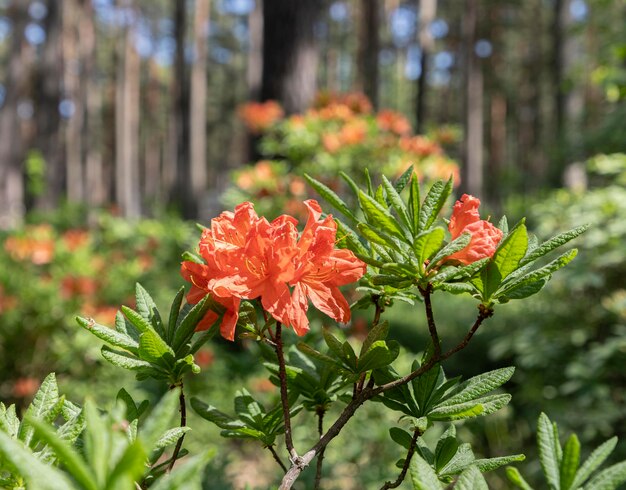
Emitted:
<point x="561" y="465"/>
<point x="61" y="445"/>
<point x="162" y="351"/>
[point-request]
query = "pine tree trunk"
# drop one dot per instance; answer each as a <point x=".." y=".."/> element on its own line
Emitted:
<point x="11" y="144"/>
<point x="71" y="87"/>
<point x="369" y="46"/>
<point x="47" y="94"/>
<point x="198" y="95"/>
<point x="127" y="127"/>
<point x="427" y="12"/>
<point x="290" y="52"/>
<point x="472" y="170"/>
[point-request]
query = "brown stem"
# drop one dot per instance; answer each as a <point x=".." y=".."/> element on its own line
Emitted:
<point x="432" y="328"/>
<point x="320" y="456"/>
<point x="484" y="312"/>
<point x="370" y="392"/>
<point x="378" y="311"/>
<point x="407" y="462"/>
<point x="277" y="458"/>
<point x="282" y="374"/>
<point x="183" y="423"/>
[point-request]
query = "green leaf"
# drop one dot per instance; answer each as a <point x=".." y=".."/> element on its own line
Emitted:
<point x="423" y="477"/>
<point x="38" y="475"/>
<point x="471" y="479"/>
<point x="109" y="335"/>
<point x="470" y="409"/>
<point x="248" y="409"/>
<point x="202" y="338"/>
<point x="490" y="464"/>
<point x="160" y="419"/>
<point x="147" y="308"/>
<point x="378" y="332"/>
<point x="129" y="466"/>
<point x="401" y="436"/>
<point x="433" y="202"/>
<point x="414" y="203"/>
<point x="446" y="448"/>
<point x="333" y="343"/>
<point x="378" y="215"/>
<point x="45" y="399"/>
<point x="170" y="437"/>
<point x="153" y="348"/>
<point x="174" y="312"/>
<point x="403" y="180"/>
<point x="393" y="197"/>
<point x="378" y="237"/>
<point x="213" y="415"/>
<point x="427" y="243"/>
<point x="524" y="290"/>
<point x="424" y="386"/>
<point x="136" y="319"/>
<point x="516" y="478"/>
<point x="479" y="385"/>
<point x="346" y="236"/>
<point x="330" y="196"/>
<point x="570" y="462"/>
<point x="96" y="442"/>
<point x="379" y="354"/>
<point x="553" y="243"/>
<point x="549" y="449"/>
<point x="511" y="250"/>
<point x="540" y="273"/>
<point x="123" y="359"/>
<point x="349" y="356"/>
<point x="593" y="462"/>
<point x="186" y="327"/>
<point x="455" y="245"/>
<point x="608" y="479"/>
<point x="311" y="352"/>
<point x="187" y="475"/>
<point x="72" y="461"/>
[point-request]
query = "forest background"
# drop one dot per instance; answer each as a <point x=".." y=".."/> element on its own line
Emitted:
<point x="119" y="118"/>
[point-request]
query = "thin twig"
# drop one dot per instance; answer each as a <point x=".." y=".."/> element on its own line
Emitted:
<point x="484" y="312"/>
<point x="407" y="462"/>
<point x="370" y="392"/>
<point x="277" y="458"/>
<point x="432" y="328"/>
<point x="282" y="374"/>
<point x="320" y="456"/>
<point x="183" y="423"/>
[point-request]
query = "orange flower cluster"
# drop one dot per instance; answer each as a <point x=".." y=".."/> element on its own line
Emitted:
<point x="466" y="219"/>
<point x="393" y="122"/>
<point x="259" y="116"/>
<point x="247" y="257"/>
<point x="37" y="246"/>
<point x="355" y="102"/>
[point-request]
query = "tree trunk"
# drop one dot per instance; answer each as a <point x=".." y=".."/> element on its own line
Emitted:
<point x="198" y="95"/>
<point x="47" y="94"/>
<point x="71" y="87"/>
<point x="180" y="114"/>
<point x="557" y="68"/>
<point x="369" y="46"/>
<point x="11" y="144"/>
<point x="91" y="97"/>
<point x="127" y="127"/>
<point x="289" y="52"/>
<point x="472" y="170"/>
<point x="427" y="12"/>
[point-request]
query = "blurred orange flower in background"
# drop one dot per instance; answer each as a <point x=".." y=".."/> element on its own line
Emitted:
<point x="259" y="116"/>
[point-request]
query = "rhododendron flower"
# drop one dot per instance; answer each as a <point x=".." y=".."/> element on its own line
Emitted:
<point x="247" y="257"/>
<point x="484" y="235"/>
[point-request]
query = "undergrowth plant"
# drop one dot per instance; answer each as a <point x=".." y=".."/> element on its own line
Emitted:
<point x="254" y="279"/>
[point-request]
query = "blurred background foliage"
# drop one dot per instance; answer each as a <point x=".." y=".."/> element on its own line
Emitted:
<point x="119" y="119"/>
